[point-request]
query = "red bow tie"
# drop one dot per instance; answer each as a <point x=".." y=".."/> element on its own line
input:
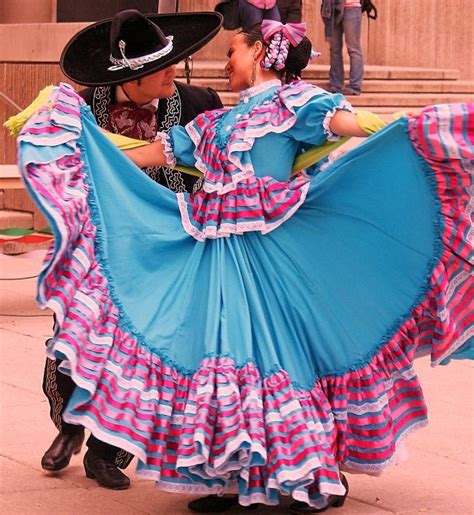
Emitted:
<point x="131" y="120"/>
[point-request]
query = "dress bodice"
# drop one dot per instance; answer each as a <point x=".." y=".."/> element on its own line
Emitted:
<point x="283" y="150"/>
<point x="252" y="146"/>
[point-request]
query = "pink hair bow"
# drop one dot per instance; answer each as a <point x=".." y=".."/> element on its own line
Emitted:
<point x="294" y="32"/>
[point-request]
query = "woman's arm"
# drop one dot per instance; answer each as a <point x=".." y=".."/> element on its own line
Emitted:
<point x="344" y="123"/>
<point x="148" y="155"/>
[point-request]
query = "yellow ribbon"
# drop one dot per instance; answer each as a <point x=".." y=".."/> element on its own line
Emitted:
<point x="369" y="122"/>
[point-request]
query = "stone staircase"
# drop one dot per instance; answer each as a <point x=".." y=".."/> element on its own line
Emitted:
<point x="18" y="219"/>
<point x="386" y="89"/>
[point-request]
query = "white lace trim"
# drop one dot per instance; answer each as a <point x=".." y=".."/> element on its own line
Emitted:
<point x="470" y="207"/>
<point x="299" y="494"/>
<point x="220" y="189"/>
<point x="244" y="500"/>
<point x="464" y="275"/>
<point x="368" y="407"/>
<point x="190" y="488"/>
<point x="455" y="346"/>
<point x="400" y="452"/>
<point x="238" y="228"/>
<point x="247" y="140"/>
<point x="453" y="285"/>
<point x="260" y="88"/>
<point x="164" y="139"/>
<point x="343" y="106"/>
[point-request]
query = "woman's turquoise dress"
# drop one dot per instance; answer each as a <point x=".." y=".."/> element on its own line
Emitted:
<point x="259" y="334"/>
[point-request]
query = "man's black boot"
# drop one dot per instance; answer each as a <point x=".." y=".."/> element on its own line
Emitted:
<point x="63" y="447"/>
<point x="106" y="473"/>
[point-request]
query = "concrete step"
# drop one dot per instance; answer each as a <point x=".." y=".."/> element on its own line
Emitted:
<point x="13" y="248"/>
<point x="392" y="100"/>
<point x="19" y="219"/>
<point x="371" y="86"/>
<point x="408" y="99"/>
<point x="207" y="69"/>
<point x="417" y="86"/>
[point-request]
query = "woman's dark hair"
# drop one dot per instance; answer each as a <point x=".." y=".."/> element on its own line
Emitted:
<point x="298" y="57"/>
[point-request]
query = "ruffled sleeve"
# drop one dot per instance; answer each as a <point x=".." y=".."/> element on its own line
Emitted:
<point x="314" y="117"/>
<point x="181" y="146"/>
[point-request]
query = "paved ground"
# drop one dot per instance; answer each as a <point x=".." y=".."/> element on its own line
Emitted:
<point x="436" y="478"/>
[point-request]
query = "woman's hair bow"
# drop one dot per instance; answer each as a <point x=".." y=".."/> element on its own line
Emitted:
<point x="279" y="37"/>
<point x="294" y="32"/>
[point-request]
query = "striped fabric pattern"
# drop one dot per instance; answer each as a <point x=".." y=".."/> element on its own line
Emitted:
<point x="233" y="200"/>
<point x="224" y="168"/>
<point x="225" y="426"/>
<point x="444" y="136"/>
<point x="256" y="204"/>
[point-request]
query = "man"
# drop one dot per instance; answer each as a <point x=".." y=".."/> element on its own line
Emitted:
<point x="344" y="18"/>
<point x="129" y="65"/>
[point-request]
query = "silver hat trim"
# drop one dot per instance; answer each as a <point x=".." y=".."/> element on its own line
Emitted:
<point x="136" y="63"/>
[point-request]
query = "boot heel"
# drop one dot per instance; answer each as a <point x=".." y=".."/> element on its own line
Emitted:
<point x="80" y="441"/>
<point x="89" y="473"/>
<point x="339" y="503"/>
<point x="341" y="499"/>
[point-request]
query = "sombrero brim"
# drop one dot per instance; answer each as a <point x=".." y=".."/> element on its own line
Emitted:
<point x="86" y="58"/>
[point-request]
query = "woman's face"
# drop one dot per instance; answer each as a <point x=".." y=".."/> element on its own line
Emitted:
<point x="240" y="64"/>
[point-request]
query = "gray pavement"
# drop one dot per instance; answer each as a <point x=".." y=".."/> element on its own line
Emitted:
<point x="436" y="478"/>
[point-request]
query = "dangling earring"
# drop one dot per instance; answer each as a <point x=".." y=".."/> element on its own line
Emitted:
<point x="253" y="78"/>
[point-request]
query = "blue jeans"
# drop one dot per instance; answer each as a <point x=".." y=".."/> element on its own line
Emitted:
<point x="251" y="15"/>
<point x="351" y="28"/>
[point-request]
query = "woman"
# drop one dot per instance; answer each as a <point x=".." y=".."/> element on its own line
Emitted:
<point x="284" y="352"/>
<point x="250" y="66"/>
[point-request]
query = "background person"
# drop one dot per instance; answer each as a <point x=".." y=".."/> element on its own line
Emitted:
<point x="252" y="12"/>
<point x="291" y="11"/>
<point x="343" y="20"/>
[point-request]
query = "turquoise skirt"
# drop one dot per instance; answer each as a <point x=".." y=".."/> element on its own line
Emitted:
<point x="256" y="363"/>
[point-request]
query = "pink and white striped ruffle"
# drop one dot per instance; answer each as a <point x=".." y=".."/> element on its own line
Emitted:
<point x="256" y="204"/>
<point x="444" y="136"/>
<point x="233" y="200"/>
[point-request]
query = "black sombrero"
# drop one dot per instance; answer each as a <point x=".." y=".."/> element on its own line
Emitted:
<point x="132" y="45"/>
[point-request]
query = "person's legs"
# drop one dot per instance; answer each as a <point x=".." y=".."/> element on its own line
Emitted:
<point x="58" y="389"/>
<point x="102" y="459"/>
<point x="336" y="71"/>
<point x="352" y="23"/>
<point x="115" y="455"/>
<point x="272" y="14"/>
<point x="249" y="14"/>
<point x="293" y="12"/>
<point x="99" y="464"/>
